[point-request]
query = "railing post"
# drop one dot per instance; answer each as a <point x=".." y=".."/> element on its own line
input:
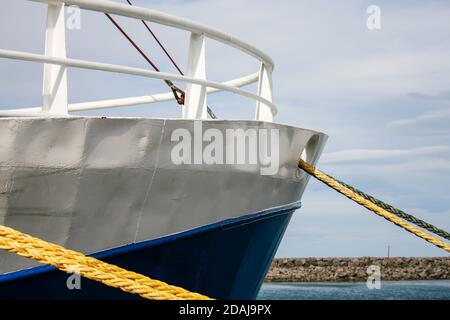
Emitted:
<point x="195" y="106"/>
<point x="55" y="77"/>
<point x="263" y="112"/>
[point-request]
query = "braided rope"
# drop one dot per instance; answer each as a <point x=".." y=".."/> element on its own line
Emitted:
<point x="68" y="260"/>
<point x="399" y="213"/>
<point x="339" y="187"/>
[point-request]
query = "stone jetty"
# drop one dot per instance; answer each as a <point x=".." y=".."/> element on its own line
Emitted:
<point x="355" y="269"/>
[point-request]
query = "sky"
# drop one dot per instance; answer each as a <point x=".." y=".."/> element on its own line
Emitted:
<point x="382" y="96"/>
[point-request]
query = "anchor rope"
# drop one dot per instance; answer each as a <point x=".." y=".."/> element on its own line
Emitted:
<point x="75" y="262"/>
<point x="399" y="213"/>
<point x="372" y="206"/>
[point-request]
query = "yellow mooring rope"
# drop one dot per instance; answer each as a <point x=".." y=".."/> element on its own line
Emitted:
<point x="91" y="268"/>
<point x="339" y="187"/>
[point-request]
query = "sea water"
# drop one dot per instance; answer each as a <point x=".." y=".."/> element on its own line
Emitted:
<point x="389" y="290"/>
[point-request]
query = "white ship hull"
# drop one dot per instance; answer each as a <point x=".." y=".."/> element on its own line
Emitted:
<point x="92" y="184"/>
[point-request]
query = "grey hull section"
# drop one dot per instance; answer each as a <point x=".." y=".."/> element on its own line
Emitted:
<point x="92" y="184"/>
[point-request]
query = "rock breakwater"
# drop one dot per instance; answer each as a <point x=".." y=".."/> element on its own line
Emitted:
<point x="355" y="269"/>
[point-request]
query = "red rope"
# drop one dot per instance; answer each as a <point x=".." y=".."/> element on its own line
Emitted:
<point x="177" y="92"/>
<point x="160" y="44"/>
<point x="132" y="42"/>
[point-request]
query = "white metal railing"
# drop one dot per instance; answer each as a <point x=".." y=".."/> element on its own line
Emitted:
<point x="198" y="87"/>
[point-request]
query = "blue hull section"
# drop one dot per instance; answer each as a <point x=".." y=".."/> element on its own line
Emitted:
<point x="226" y="260"/>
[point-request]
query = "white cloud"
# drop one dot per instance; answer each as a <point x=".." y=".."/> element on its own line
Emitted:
<point x="442" y="96"/>
<point x="356" y="156"/>
<point x="425" y="119"/>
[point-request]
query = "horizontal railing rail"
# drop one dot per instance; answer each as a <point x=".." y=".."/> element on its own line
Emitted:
<point x="132" y="101"/>
<point x="165" y="19"/>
